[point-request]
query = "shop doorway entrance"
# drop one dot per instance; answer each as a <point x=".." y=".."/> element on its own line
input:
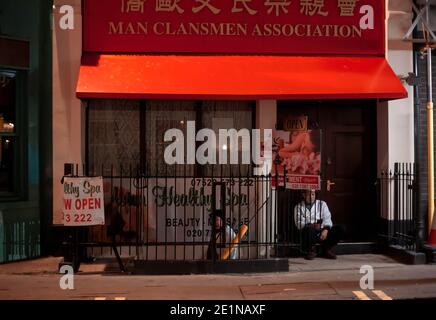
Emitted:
<point x="349" y="161"/>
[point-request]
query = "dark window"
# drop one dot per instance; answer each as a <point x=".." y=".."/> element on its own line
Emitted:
<point x="9" y="157"/>
<point x="113" y="139"/>
<point x="130" y="134"/>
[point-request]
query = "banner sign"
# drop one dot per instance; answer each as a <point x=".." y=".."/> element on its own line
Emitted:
<point x="299" y="155"/>
<point x="179" y="209"/>
<point x="83" y="201"/>
<point x="183" y="207"/>
<point x="235" y="26"/>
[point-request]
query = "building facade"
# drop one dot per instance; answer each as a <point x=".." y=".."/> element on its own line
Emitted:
<point x="125" y="73"/>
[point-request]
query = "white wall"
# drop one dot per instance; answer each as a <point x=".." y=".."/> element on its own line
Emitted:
<point x="67" y="113"/>
<point x="395" y="118"/>
<point x="266" y="118"/>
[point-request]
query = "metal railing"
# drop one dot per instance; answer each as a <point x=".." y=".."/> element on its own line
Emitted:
<point x="397" y="199"/>
<point x="170" y="218"/>
<point x="19" y="240"/>
<point x="162" y="218"/>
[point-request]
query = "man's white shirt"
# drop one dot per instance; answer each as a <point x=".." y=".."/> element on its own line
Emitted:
<point x="319" y="210"/>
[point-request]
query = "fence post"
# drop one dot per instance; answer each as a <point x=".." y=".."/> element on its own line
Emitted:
<point x="218" y="209"/>
<point x="71" y="245"/>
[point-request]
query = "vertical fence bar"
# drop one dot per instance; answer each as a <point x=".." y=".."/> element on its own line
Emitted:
<point x="166" y="212"/>
<point x="406" y="205"/>
<point x="415" y="193"/>
<point x="175" y="213"/>
<point x="397" y="201"/>
<point x="411" y="207"/>
<point x="224" y="212"/>
<point x="240" y="222"/>
<point x="129" y="199"/>
<point x="402" y="204"/>
<point x="239" y="204"/>
<point x="140" y="205"/>
<point x="156" y="174"/>
<point x="392" y="203"/>
<point x="184" y="212"/>
<point x="147" y="170"/>
<point x="256" y="212"/>
<point x="407" y="194"/>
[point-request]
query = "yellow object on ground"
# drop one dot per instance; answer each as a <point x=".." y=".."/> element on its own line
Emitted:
<point x="225" y="254"/>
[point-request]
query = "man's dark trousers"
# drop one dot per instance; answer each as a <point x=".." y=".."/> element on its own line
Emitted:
<point x="310" y="237"/>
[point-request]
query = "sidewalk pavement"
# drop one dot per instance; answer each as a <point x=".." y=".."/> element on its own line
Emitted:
<point x="49" y="265"/>
<point x="318" y="279"/>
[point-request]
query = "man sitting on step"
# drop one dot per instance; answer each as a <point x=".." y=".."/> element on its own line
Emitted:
<point x="313" y="218"/>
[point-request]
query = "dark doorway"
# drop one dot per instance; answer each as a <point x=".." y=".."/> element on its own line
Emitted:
<point x="349" y="161"/>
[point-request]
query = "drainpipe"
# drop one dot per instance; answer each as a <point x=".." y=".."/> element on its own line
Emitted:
<point x="430" y="141"/>
<point x="418" y="216"/>
<point x="430" y="128"/>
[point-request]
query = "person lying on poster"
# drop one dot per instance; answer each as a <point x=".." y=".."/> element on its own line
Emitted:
<point x="313" y="218"/>
<point x="224" y="234"/>
<point x="302" y="155"/>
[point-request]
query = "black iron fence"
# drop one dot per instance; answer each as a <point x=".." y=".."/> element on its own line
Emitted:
<point x="397" y="199"/>
<point x="172" y="218"/>
<point x="19" y="239"/>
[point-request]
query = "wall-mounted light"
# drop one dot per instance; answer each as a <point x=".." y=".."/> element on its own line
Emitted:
<point x="411" y="79"/>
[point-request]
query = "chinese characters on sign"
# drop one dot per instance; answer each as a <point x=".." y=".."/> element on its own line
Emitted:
<point x="312" y="7"/>
<point x="245" y="6"/>
<point x="307" y="7"/>
<point x="132" y="6"/>
<point x="277" y="5"/>
<point x="168" y="6"/>
<point x="347" y="7"/>
<point x="205" y="4"/>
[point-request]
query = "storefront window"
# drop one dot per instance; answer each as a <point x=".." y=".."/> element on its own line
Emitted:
<point x="130" y="134"/>
<point x="8" y="138"/>
<point x="215" y="115"/>
<point x="113" y="136"/>
<point x="161" y="116"/>
<point x="228" y="115"/>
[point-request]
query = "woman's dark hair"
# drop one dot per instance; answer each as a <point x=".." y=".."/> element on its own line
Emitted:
<point x="315" y="138"/>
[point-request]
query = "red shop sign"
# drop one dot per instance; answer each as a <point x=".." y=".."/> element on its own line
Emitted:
<point x="235" y="26"/>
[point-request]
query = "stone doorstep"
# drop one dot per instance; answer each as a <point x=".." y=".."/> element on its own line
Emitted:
<point x="405" y="256"/>
<point x="430" y="252"/>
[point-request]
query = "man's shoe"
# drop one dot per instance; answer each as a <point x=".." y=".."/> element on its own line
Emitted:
<point x="311" y="255"/>
<point x="329" y="254"/>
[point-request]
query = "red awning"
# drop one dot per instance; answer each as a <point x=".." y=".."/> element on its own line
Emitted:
<point x="236" y="77"/>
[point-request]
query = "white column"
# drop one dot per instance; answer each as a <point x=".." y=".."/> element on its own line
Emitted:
<point x="266" y="118"/>
<point x="67" y="114"/>
<point x="395" y="119"/>
<point x="400" y="57"/>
